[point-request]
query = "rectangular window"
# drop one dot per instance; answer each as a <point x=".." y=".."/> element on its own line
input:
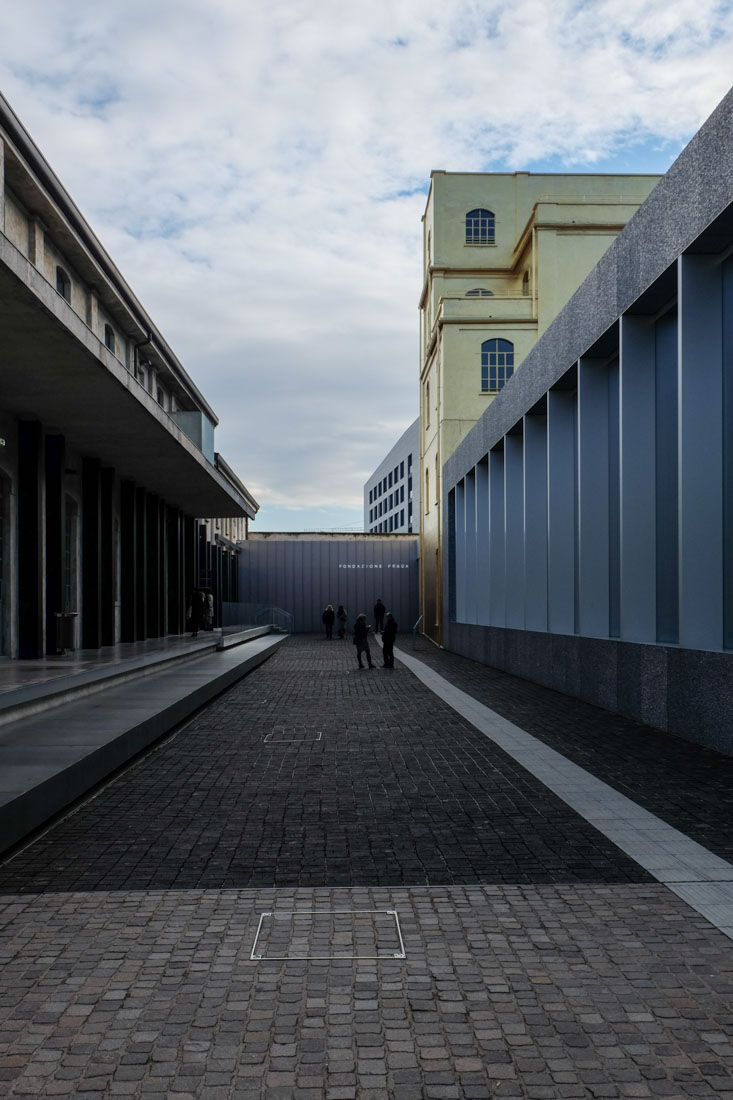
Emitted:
<point x="396" y="472"/>
<point x="389" y="480"/>
<point x="390" y="523"/>
<point x="409" y="463"/>
<point x="402" y="468"/>
<point x="402" y="494"/>
<point x="402" y="517"/>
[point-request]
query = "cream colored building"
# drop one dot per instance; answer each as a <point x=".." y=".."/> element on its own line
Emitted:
<point x="502" y="254"/>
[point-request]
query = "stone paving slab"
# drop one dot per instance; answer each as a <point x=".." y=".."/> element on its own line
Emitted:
<point x="400" y="790"/>
<point x="506" y="991"/>
<point x="686" y="785"/>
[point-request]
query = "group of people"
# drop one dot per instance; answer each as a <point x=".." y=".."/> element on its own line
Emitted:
<point x="330" y="616"/>
<point x="200" y="611"/>
<point x="384" y="624"/>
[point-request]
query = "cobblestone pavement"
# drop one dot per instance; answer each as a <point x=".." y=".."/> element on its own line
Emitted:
<point x="686" y="785"/>
<point x="584" y="980"/>
<point x="399" y="790"/>
<point x="536" y="992"/>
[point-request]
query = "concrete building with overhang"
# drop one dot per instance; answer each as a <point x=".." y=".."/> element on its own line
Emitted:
<point x="107" y="454"/>
<point x="502" y="254"/>
<point x="588" y="528"/>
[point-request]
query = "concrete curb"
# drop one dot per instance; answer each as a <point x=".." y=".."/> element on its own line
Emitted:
<point x="79" y="744"/>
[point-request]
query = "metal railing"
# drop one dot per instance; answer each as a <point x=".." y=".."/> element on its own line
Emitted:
<point x="243" y="616"/>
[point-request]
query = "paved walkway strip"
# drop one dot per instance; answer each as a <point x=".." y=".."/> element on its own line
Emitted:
<point x="695" y="874"/>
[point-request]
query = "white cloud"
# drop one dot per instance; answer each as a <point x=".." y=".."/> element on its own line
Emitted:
<point x="255" y="170"/>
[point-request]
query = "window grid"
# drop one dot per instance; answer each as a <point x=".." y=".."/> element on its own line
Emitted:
<point x="497" y="364"/>
<point x="480" y="227"/>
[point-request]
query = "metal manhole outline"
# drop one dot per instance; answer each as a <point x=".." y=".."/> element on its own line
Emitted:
<point x="291" y="913"/>
<point x="292" y="740"/>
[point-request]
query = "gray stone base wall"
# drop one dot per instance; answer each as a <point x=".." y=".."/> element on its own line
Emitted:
<point x="687" y="692"/>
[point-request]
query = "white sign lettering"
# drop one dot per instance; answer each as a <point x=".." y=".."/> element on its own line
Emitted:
<point x="346" y="565"/>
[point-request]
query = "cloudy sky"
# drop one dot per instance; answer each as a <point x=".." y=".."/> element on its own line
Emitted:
<point x="258" y="170"/>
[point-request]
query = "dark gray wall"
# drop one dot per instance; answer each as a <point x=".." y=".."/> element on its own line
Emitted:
<point x="668" y="250"/>
<point x="687" y="692"/>
<point x="302" y="575"/>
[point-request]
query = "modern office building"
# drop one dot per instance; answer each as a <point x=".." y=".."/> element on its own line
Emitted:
<point x="588" y="529"/>
<point x="392" y="493"/>
<point x="503" y="253"/>
<point x="106" y="445"/>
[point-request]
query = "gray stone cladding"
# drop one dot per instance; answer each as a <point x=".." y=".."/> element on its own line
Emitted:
<point x="686" y="691"/>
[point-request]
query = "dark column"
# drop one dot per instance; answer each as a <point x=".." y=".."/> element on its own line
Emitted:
<point x="153" y="554"/>
<point x="203" y="567"/>
<point x="235" y="577"/>
<point x="91" y="554"/>
<point x="163" y="558"/>
<point x="109" y="557"/>
<point x="190" y="557"/>
<point x="141" y="558"/>
<point x="128" y="562"/>
<point x="30" y="533"/>
<point x="219" y="553"/>
<point x="174" y="555"/>
<point x="55" y="452"/>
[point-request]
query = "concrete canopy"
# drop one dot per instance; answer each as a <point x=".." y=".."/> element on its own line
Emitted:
<point x="54" y="369"/>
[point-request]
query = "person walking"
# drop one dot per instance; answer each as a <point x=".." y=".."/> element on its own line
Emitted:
<point x="361" y="640"/>
<point x="327" y="619"/>
<point x="388" y="637"/>
<point x="379" y="610"/>
<point x="196" y="606"/>
<point x="343" y="619"/>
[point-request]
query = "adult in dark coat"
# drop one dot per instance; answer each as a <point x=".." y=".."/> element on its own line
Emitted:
<point x="379" y="610"/>
<point x="343" y="619"/>
<point x="327" y="619"/>
<point x="361" y="640"/>
<point x="388" y="636"/>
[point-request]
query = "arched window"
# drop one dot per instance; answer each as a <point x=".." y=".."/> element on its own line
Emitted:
<point x="497" y="364"/>
<point x="109" y="337"/>
<point x="480" y="227"/>
<point x="63" y="284"/>
<point x="480" y="292"/>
